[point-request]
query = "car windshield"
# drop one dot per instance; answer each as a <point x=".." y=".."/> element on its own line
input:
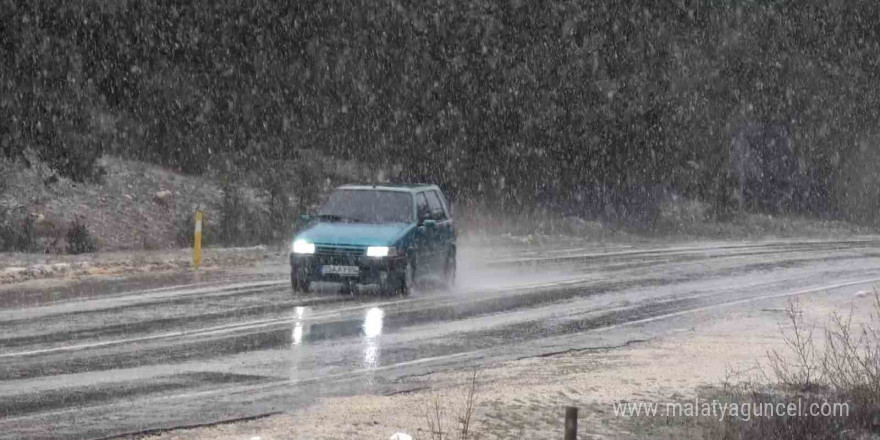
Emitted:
<point x="368" y="206"/>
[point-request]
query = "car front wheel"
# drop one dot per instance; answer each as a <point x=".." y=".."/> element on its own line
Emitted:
<point x="299" y="284"/>
<point x="449" y="271"/>
<point x="407" y="278"/>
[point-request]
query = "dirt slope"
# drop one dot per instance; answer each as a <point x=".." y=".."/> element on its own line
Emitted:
<point x="136" y="206"/>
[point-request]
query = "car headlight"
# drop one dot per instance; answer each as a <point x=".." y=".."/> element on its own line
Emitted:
<point x="381" y="251"/>
<point x="302" y="247"/>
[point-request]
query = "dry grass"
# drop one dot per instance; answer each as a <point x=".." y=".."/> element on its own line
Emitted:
<point x="450" y="417"/>
<point x="841" y="367"/>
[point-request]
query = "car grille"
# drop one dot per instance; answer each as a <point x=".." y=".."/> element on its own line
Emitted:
<point x="339" y="251"/>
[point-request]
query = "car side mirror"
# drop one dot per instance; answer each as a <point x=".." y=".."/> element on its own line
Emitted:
<point x="429" y="223"/>
<point x="305" y="218"/>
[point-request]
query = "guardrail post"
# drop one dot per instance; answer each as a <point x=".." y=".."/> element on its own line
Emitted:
<point x="197" y="240"/>
<point x="571" y="423"/>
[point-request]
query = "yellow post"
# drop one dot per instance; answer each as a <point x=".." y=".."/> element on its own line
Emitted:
<point x="197" y="241"/>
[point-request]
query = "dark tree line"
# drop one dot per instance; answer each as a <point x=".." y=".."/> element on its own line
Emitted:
<point x="576" y="106"/>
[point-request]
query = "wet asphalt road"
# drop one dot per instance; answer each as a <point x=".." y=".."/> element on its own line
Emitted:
<point x="96" y="359"/>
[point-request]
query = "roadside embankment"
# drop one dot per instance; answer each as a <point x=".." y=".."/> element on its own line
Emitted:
<point x="19" y="267"/>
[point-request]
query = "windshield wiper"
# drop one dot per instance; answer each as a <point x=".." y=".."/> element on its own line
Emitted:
<point x="335" y="218"/>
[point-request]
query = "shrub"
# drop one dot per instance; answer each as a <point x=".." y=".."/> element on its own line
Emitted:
<point x="445" y="419"/>
<point x="857" y="189"/>
<point x="232" y="216"/>
<point x="16" y="234"/>
<point x="242" y="220"/>
<point x="184" y="229"/>
<point x="79" y="239"/>
<point x="844" y="369"/>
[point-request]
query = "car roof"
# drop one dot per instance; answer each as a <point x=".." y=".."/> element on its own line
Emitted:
<point x="401" y="187"/>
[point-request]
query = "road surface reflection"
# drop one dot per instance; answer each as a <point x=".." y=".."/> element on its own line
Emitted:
<point x="372" y="332"/>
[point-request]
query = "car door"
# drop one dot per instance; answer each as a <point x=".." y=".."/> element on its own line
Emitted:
<point x="423" y="241"/>
<point x="449" y="224"/>
<point x="441" y="235"/>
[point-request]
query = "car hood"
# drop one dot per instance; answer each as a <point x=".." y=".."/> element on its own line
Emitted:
<point x="355" y="234"/>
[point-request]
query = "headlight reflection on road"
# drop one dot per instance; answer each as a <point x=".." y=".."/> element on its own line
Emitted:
<point x="373" y="322"/>
<point x="297" y="333"/>
<point x="372" y="331"/>
<point x="298" y="350"/>
<point x="298" y="317"/>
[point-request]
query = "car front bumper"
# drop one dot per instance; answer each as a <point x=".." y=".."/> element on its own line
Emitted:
<point x="371" y="270"/>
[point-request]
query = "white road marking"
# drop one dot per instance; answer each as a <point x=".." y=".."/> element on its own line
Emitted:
<point x="737" y="302"/>
<point x="125" y="300"/>
<point x="681" y="249"/>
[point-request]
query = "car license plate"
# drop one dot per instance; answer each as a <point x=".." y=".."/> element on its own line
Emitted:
<point x="340" y="270"/>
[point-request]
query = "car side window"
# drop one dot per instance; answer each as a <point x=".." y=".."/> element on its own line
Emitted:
<point x="424" y="211"/>
<point x="437" y="211"/>
<point x="445" y="204"/>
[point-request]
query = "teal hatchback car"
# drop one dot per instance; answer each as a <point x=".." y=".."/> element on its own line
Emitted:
<point x="391" y="235"/>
